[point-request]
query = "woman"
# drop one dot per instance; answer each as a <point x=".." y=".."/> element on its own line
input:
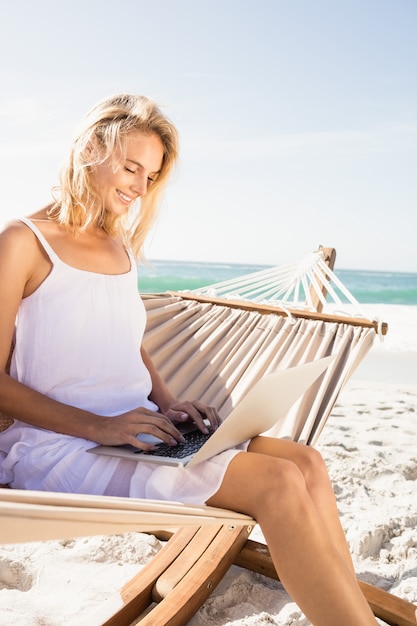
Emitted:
<point x="71" y="315"/>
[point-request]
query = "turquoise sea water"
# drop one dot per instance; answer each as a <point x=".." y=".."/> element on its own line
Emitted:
<point x="367" y="286"/>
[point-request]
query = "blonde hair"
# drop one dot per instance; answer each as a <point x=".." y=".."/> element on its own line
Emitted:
<point x="100" y="136"/>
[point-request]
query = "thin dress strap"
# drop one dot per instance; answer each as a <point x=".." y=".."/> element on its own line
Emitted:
<point x="50" y="251"/>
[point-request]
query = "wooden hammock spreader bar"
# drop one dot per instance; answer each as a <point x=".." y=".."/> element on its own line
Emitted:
<point x="329" y="257"/>
<point x="170" y="589"/>
<point x="267" y="309"/>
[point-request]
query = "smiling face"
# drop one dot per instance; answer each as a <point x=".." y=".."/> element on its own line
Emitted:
<point x="120" y="181"/>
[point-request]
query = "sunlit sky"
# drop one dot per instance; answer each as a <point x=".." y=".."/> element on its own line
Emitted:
<point x="298" y="118"/>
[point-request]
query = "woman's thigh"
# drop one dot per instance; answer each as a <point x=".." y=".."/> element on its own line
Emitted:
<point x="253" y="480"/>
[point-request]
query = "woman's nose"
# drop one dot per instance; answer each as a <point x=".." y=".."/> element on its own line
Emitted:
<point x="140" y="185"/>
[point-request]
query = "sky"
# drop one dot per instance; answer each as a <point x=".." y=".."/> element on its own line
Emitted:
<point x="297" y="118"/>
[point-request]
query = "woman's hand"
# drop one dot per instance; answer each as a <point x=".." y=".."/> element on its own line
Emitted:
<point x="126" y="427"/>
<point x="176" y="410"/>
<point x="180" y="411"/>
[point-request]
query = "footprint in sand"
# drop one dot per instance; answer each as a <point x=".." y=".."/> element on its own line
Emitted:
<point x="410" y="470"/>
<point x="15" y="575"/>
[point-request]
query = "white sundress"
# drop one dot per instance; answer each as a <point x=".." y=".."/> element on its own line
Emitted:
<point x="78" y="340"/>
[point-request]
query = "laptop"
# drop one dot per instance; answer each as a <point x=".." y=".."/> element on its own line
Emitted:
<point x="265" y="404"/>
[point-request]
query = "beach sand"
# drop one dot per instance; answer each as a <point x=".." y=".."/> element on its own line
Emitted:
<point x="369" y="444"/>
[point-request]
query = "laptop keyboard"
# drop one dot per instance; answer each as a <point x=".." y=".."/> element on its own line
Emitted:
<point x="194" y="441"/>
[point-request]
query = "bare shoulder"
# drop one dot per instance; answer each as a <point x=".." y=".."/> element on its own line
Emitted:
<point x="17" y="230"/>
<point x="18" y="246"/>
<point x="17" y="260"/>
<point x="15" y="233"/>
<point x="14" y="229"/>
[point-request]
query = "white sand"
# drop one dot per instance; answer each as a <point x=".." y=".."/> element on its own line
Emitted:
<point x="369" y="444"/>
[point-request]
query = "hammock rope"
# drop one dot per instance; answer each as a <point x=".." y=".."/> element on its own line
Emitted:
<point x="286" y="286"/>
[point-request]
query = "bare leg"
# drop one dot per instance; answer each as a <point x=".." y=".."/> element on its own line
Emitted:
<point x="319" y="487"/>
<point x="274" y="491"/>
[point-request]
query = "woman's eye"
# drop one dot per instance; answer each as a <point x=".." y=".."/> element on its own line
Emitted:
<point x="128" y="170"/>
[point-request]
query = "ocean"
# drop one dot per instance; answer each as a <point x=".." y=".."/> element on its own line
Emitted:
<point x="387" y="296"/>
<point x="368" y="287"/>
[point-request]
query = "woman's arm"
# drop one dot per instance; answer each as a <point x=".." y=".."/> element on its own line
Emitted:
<point x="160" y="393"/>
<point x="20" y="276"/>
<point x="17" y="275"/>
<point x="175" y="409"/>
<point x="23" y="403"/>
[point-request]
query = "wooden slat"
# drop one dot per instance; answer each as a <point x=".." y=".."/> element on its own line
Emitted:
<point x="184" y="562"/>
<point x="137" y="593"/>
<point x="179" y="606"/>
<point x="255" y="557"/>
<point x="388" y="607"/>
<point x="171" y="588"/>
<point x="267" y="309"/>
<point x="329" y="257"/>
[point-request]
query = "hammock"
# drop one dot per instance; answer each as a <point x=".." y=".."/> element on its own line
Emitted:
<point x="215" y="348"/>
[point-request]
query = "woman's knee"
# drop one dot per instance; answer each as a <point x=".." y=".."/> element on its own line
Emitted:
<point x="255" y="482"/>
<point x="284" y="476"/>
<point x="279" y="485"/>
<point x="283" y="492"/>
<point x="313" y="467"/>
